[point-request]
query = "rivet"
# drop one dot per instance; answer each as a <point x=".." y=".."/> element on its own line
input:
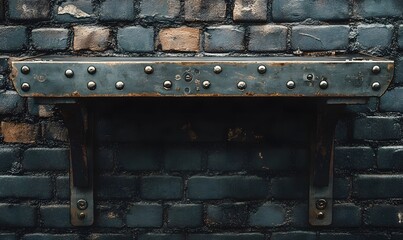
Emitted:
<point x="291" y="84"/>
<point x="323" y="84"/>
<point x="320" y="215"/>
<point x="261" y="69"/>
<point x="376" y="86"/>
<point x="82" y="204"/>
<point x="69" y="73"/>
<point x="206" y="84"/>
<point x="217" y="69"/>
<point x="167" y="84"/>
<point x="188" y="77"/>
<point x="376" y="69"/>
<point x="81" y="215"/>
<point x="321" y="204"/>
<point x="309" y="77"/>
<point x="241" y="85"/>
<point x="148" y="69"/>
<point x="91" y="85"/>
<point x="25" y="69"/>
<point x="91" y="70"/>
<point x="25" y="87"/>
<point x="119" y="85"/>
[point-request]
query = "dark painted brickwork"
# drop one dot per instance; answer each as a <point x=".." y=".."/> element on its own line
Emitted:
<point x="201" y="169"/>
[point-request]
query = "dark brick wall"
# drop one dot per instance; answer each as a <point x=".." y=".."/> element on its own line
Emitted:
<point x="201" y="169"/>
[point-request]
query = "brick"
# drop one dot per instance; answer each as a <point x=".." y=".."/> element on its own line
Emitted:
<point x="398" y="70"/>
<point x="229" y="159"/>
<point x="50" y="38"/>
<point x="268" y="215"/>
<point x="62" y="187"/>
<point x="297" y="188"/>
<point x="45" y="236"/>
<point x="299" y="216"/>
<point x="293" y="235"/>
<point x="277" y="158"/>
<point x="391" y="101"/>
<point x="377" y="186"/>
<point x="13" y="215"/>
<point x="55" y="216"/>
<point x="8" y="156"/>
<point x="374" y="36"/>
<point x="36" y="187"/>
<point x="250" y="10"/>
<point x="348" y="236"/>
<point x="227" y="187"/>
<point x="341" y="188"/>
<point x="19" y="132"/>
<point x="46" y="159"/>
<point x="109" y="216"/>
<point x="231" y="215"/>
<point x="374" y="8"/>
<point x="224" y="39"/>
<point x="55" y="131"/>
<point x="144" y="215"/>
<point x="185" y="215"/>
<point x="161" y="187"/>
<point x="227" y="236"/>
<point x="11" y="103"/>
<point x="8" y="236"/>
<point x="104" y="158"/>
<point x="110" y="236"/>
<point x="188" y="159"/>
<point x="117" y="187"/>
<point x="160" y="236"/>
<point x="400" y="36"/>
<point x="43" y="111"/>
<point x="136" y="39"/>
<point x="29" y="9"/>
<point x="377" y="128"/>
<point x="160" y="9"/>
<point x="205" y="10"/>
<point x="319" y="38"/>
<point x="270" y="38"/>
<point x="91" y="38"/>
<point x="354" y="158"/>
<point x="346" y="215"/>
<point x="138" y="157"/>
<point x="13" y="38"/>
<point x="183" y="39"/>
<point x="73" y="11"/>
<point x="112" y="10"/>
<point x="384" y="216"/>
<point x="299" y="10"/>
<point x="390" y="157"/>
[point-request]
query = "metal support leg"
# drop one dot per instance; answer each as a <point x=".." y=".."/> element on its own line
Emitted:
<point x="79" y="124"/>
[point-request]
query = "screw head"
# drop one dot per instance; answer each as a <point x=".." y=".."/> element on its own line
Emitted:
<point x="323" y="84"/>
<point x="167" y="84"/>
<point x="119" y="85"/>
<point x="188" y="77"/>
<point x="321" y="204"/>
<point x="291" y="84"/>
<point x="217" y="69"/>
<point x="25" y="69"/>
<point x="241" y="85"/>
<point x="82" y="204"/>
<point x="309" y="77"/>
<point x="91" y="70"/>
<point x="25" y="87"/>
<point x="69" y="73"/>
<point x="376" y="69"/>
<point x="206" y="84"/>
<point x="320" y="215"/>
<point x="91" y="85"/>
<point x="148" y="69"/>
<point x="376" y="86"/>
<point x="81" y="215"/>
<point x="261" y="69"/>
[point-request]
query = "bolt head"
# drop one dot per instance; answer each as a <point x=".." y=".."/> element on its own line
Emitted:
<point x="321" y="204"/>
<point x="320" y="215"/>
<point x="290" y="84"/>
<point x="25" y="87"/>
<point x="91" y="85"/>
<point x="81" y="215"/>
<point x="261" y="69"/>
<point x="82" y="204"/>
<point x="25" y="69"/>
<point x="188" y="77"/>
<point x="376" y="69"/>
<point x="206" y="84"/>
<point x="69" y="73"/>
<point x="323" y="84"/>
<point x="148" y="69"/>
<point x="376" y="86"/>
<point x="167" y="84"/>
<point x="217" y="69"/>
<point x="242" y="85"/>
<point x="91" y="70"/>
<point x="309" y="77"/>
<point x="119" y="85"/>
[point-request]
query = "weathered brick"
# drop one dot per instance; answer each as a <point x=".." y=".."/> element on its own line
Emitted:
<point x="228" y="215"/>
<point x="374" y="36"/>
<point x="297" y="188"/>
<point x="19" y="132"/>
<point x="46" y="159"/>
<point x="399" y="71"/>
<point x="377" y="186"/>
<point x="46" y="236"/>
<point x="161" y="187"/>
<point x="139" y="157"/>
<point x="13" y="38"/>
<point x="109" y="216"/>
<point x="227" y="236"/>
<point x="250" y="10"/>
<point x="375" y="8"/>
<point x="73" y="11"/>
<point x="11" y="103"/>
<point x="272" y="38"/>
<point x="37" y="187"/>
<point x="39" y="110"/>
<point x="293" y="235"/>
<point x="277" y="158"/>
<point x="144" y="215"/>
<point x="104" y="156"/>
<point x="224" y="39"/>
<point x="117" y="187"/>
<point x="91" y="38"/>
<point x="160" y="9"/>
<point x="29" y="9"/>
<point x="205" y="10"/>
<point x="185" y="215"/>
<point x="136" y="39"/>
<point x="341" y="188"/>
<point x="183" y="39"/>
<point x="318" y="38"/>
<point x="110" y="236"/>
<point x="391" y="101"/>
<point x="161" y="236"/>
<point x="54" y="131"/>
<point x="377" y="128"/>
<point x="12" y="215"/>
<point x="63" y="187"/>
<point x="348" y="236"/>
<point x="400" y="36"/>
<point x="56" y="216"/>
<point x="299" y="10"/>
<point x="384" y="216"/>
<point x="50" y="38"/>
<point x="229" y="159"/>
<point x="112" y="10"/>
<point x="390" y="157"/>
<point x="8" y="236"/>
<point x="8" y="156"/>
<point x="187" y="159"/>
<point x="268" y="215"/>
<point x="346" y="215"/>
<point x="299" y="216"/>
<point x="223" y="187"/>
<point x="354" y="157"/>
